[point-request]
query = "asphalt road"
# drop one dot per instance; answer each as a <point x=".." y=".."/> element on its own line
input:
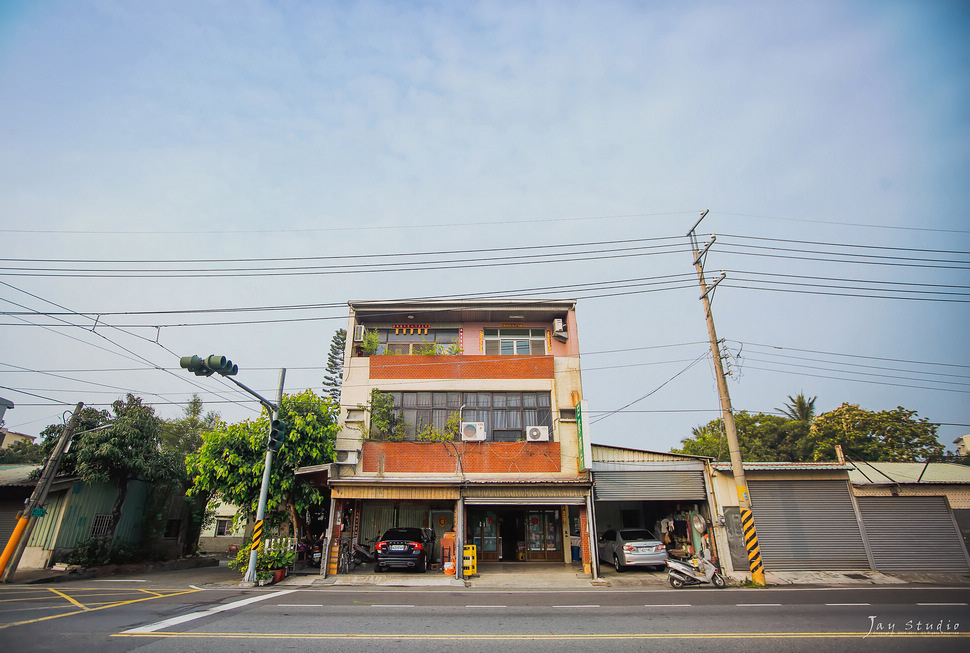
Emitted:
<point x="166" y="613"/>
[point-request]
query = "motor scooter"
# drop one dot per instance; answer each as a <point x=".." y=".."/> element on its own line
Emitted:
<point x="680" y="574"/>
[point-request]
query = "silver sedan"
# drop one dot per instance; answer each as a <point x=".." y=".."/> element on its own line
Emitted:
<point x="628" y="547"/>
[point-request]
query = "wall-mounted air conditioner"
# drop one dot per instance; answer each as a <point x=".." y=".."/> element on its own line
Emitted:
<point x="347" y="457"/>
<point x="537" y="433"/>
<point x="359" y="330"/>
<point x="473" y="431"/>
<point x="559" y="330"/>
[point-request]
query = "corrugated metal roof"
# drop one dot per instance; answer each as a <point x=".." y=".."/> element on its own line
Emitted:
<point x="603" y="453"/>
<point x="783" y="467"/>
<point x="17" y="475"/>
<point x="892" y="473"/>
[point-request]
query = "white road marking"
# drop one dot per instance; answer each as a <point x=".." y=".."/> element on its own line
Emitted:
<point x="848" y="604"/>
<point x="941" y="604"/>
<point x="299" y="605"/>
<point x="486" y="606"/>
<point x="392" y="605"/>
<point x="666" y="605"/>
<point x="192" y="616"/>
<point x="591" y="605"/>
<point x="758" y="605"/>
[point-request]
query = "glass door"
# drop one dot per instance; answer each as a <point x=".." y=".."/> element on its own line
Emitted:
<point x="485" y="536"/>
<point x="544" y="536"/>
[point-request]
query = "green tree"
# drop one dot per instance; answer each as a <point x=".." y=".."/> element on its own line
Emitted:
<point x="800" y="408"/>
<point x="761" y="437"/>
<point x="117" y="448"/>
<point x="230" y="461"/>
<point x="22" y="452"/>
<point x="181" y="437"/>
<point x="897" y="435"/>
<point x="335" y="366"/>
<point x="184" y="435"/>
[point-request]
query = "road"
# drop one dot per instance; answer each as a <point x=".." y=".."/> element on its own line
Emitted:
<point x="167" y="613"/>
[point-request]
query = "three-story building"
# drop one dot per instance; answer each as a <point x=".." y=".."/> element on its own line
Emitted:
<point x="461" y="416"/>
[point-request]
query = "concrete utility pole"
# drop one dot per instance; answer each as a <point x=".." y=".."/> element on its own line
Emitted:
<point x="730" y="429"/>
<point x="33" y="507"/>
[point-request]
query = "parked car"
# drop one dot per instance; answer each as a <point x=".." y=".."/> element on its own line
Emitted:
<point x="406" y="548"/>
<point x="629" y="547"/>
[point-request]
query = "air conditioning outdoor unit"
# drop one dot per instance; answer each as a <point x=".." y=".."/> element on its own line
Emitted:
<point x="537" y="434"/>
<point x="347" y="457"/>
<point x="559" y="330"/>
<point x="473" y="431"/>
<point x="359" y="330"/>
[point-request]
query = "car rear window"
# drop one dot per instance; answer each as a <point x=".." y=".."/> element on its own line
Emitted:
<point x="639" y="534"/>
<point x="413" y="534"/>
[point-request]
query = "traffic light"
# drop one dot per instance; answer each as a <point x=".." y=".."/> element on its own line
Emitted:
<point x="277" y="434"/>
<point x="222" y="365"/>
<point x="195" y="364"/>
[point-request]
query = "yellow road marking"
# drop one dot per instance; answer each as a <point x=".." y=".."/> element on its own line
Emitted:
<point x="103" y="607"/>
<point x="150" y="592"/>
<point x="77" y="603"/>
<point x="535" y="636"/>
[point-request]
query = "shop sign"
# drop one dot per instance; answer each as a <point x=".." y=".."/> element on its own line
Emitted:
<point x="582" y="424"/>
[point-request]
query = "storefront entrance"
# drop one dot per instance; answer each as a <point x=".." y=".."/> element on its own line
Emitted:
<point x="516" y="534"/>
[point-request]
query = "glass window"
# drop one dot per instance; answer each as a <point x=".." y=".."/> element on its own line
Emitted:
<point x="515" y="342"/>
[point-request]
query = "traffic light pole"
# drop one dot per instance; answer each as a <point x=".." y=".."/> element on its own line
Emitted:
<point x="250" y="577"/>
<point x="730" y="428"/>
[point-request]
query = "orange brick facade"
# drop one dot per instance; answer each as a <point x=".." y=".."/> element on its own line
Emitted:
<point x="476" y="457"/>
<point x="461" y="367"/>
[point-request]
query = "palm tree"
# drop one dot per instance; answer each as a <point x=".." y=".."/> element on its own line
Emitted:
<point x="801" y="409"/>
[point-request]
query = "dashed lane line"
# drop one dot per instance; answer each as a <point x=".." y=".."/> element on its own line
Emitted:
<point x="452" y="637"/>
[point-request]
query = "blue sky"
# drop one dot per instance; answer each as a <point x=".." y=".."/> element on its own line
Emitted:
<point x="226" y="130"/>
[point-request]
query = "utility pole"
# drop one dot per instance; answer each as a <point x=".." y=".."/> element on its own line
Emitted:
<point x="33" y="507"/>
<point x="730" y="429"/>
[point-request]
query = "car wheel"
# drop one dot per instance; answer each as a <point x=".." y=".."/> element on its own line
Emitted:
<point x="617" y="565"/>
<point x="675" y="582"/>
<point x="718" y="581"/>
<point x="423" y="567"/>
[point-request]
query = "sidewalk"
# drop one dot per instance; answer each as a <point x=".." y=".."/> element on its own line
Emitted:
<point x="48" y="576"/>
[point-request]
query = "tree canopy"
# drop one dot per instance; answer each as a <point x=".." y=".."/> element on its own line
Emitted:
<point x="22" y="452"/>
<point x="184" y="435"/>
<point x="897" y="435"/>
<point x="760" y="437"/>
<point x="230" y="461"/>
<point x="889" y="435"/>
<point x="117" y="448"/>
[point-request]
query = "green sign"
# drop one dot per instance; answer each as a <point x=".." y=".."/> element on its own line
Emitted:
<point x="38" y="512"/>
<point x="582" y="426"/>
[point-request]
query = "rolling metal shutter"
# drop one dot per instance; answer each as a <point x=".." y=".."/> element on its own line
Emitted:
<point x="807" y="526"/>
<point x="667" y="485"/>
<point x="894" y="524"/>
<point x="9" y="509"/>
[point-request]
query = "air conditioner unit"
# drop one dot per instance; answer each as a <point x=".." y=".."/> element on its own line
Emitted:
<point x="359" y="330"/>
<point x="347" y="457"/>
<point x="537" y="433"/>
<point x="473" y="431"/>
<point x="559" y="330"/>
